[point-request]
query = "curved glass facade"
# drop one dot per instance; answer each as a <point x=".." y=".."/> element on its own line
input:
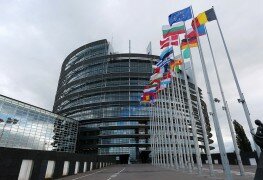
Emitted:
<point x="102" y="91"/>
<point x="28" y="127"/>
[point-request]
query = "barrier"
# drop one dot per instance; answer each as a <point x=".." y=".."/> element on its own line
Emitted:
<point x="34" y="164"/>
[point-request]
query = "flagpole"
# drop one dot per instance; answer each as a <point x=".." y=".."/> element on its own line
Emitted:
<point x="168" y="129"/>
<point x="159" y="132"/>
<point x="164" y="130"/>
<point x="183" y="122"/>
<point x="242" y="98"/>
<point x="187" y="135"/>
<point x="186" y="153"/>
<point x="179" y="123"/>
<point x="193" y="123"/>
<point x="156" y="135"/>
<point x="221" y="145"/>
<point x="178" y="136"/>
<point x="172" y="128"/>
<point x="201" y="116"/>
<point x="241" y="168"/>
<point x="152" y="135"/>
<point x="151" y="132"/>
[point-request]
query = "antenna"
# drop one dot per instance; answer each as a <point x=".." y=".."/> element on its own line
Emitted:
<point x="129" y="46"/>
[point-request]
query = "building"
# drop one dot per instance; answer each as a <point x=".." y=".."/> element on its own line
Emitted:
<point x="102" y="91"/>
<point x="29" y="127"/>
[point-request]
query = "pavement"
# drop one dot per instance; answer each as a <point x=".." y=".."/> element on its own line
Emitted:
<point x="149" y="172"/>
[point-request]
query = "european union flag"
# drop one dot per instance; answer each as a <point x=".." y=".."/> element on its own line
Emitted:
<point x="181" y="15"/>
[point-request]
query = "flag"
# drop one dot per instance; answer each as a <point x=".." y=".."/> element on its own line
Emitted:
<point x="169" y="41"/>
<point x="166" y="75"/>
<point x="156" y="76"/>
<point x="175" y="29"/>
<point x="177" y="60"/>
<point x="149" y="48"/>
<point x="148" y="97"/>
<point x="192" y="42"/>
<point x="157" y="69"/>
<point x="182" y="15"/>
<point x="165" y="81"/>
<point x="166" y="53"/>
<point x="201" y="30"/>
<point x="148" y="89"/>
<point x="175" y="63"/>
<point x="177" y="69"/>
<point x="164" y="63"/>
<point x="155" y="82"/>
<point x="210" y="14"/>
<point x="186" y="53"/>
<point x="190" y="33"/>
<point x="204" y="17"/>
<point x="145" y="97"/>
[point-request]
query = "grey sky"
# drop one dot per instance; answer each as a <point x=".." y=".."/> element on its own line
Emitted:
<point x="36" y="36"/>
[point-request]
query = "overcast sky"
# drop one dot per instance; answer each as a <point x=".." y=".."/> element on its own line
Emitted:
<point x="36" y="36"/>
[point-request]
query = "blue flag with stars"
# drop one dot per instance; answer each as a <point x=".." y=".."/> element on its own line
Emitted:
<point x="181" y="15"/>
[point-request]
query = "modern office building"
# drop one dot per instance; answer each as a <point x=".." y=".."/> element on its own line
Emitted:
<point x="29" y="127"/>
<point x="102" y="91"/>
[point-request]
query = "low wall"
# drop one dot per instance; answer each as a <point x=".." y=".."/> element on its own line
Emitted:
<point x="11" y="161"/>
<point x="245" y="157"/>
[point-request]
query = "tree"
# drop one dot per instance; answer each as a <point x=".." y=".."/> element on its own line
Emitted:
<point x="241" y="137"/>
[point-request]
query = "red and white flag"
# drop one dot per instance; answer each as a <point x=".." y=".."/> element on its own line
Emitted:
<point x="169" y="41"/>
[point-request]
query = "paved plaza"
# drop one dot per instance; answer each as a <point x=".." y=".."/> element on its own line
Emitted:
<point x="149" y="172"/>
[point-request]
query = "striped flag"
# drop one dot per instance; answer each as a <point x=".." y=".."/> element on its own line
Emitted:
<point x="165" y="81"/>
<point x="192" y="42"/>
<point x="156" y="76"/>
<point x="149" y="89"/>
<point x="204" y="17"/>
<point x="166" y="53"/>
<point x="175" y="29"/>
<point x="157" y="69"/>
<point x="163" y="63"/>
<point x="169" y="41"/>
<point x="190" y="33"/>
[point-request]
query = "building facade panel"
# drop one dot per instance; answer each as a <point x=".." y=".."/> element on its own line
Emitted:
<point x="29" y="127"/>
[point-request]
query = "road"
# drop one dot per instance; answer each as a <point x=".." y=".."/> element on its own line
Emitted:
<point x="149" y="172"/>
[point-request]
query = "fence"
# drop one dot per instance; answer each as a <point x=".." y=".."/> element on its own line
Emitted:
<point x="23" y="164"/>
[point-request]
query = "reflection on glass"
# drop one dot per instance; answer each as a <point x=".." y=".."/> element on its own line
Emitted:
<point x="28" y="127"/>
